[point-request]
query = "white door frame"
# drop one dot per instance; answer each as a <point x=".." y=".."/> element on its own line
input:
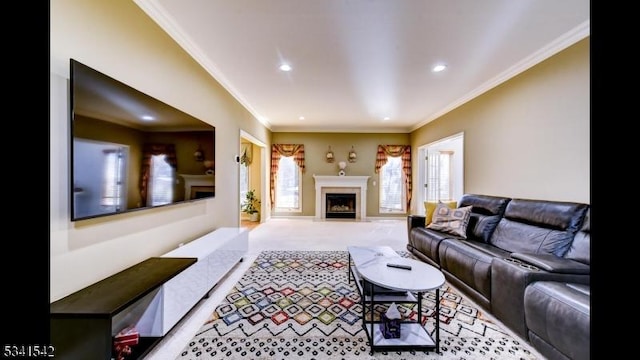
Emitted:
<point x="455" y="142"/>
<point x="264" y="167"/>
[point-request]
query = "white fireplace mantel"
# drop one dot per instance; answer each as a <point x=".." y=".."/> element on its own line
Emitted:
<point x="328" y="181"/>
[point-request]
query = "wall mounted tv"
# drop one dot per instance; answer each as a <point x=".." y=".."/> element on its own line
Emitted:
<point x="131" y="152"/>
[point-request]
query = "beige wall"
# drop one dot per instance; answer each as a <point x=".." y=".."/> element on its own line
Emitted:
<point x="526" y="138"/>
<point x="529" y="137"/>
<point x="119" y="39"/>
<point x="316" y="146"/>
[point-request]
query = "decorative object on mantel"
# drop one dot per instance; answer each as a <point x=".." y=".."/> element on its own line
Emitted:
<point x="329" y="156"/>
<point x="352" y="155"/>
<point x="199" y="154"/>
<point x="208" y="164"/>
<point x="342" y="166"/>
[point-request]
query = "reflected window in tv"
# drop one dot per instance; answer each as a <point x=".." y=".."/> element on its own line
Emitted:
<point x="130" y="151"/>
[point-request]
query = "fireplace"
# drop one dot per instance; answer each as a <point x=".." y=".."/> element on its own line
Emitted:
<point x="353" y="185"/>
<point x="340" y="206"/>
<point x="199" y="192"/>
<point x="198" y="186"/>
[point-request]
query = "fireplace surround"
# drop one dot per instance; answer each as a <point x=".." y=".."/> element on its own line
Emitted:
<point x="356" y="185"/>
<point x="198" y="186"/>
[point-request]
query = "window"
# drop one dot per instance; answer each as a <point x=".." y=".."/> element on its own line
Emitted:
<point x="244" y="183"/>
<point x="392" y="189"/>
<point x="161" y="181"/>
<point x="287" y="167"/>
<point x="439" y="176"/>
<point x="288" y="185"/>
<point x="112" y="182"/>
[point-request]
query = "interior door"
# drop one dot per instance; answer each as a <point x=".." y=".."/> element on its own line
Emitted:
<point x="441" y="169"/>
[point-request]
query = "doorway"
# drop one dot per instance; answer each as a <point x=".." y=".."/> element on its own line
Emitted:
<point x="441" y="171"/>
<point x="251" y="175"/>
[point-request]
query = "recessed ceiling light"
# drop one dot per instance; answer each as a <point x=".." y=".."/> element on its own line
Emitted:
<point x="285" y="67"/>
<point x="301" y="118"/>
<point x="386" y="118"/>
<point x="439" y="68"/>
<point x="147" y="118"/>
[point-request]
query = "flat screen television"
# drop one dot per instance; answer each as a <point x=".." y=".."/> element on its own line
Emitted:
<point x="130" y="151"/>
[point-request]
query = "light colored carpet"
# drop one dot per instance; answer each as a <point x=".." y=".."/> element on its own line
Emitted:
<point x="298" y="235"/>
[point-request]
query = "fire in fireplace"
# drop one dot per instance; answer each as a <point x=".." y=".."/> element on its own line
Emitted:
<point x="340" y="206"/>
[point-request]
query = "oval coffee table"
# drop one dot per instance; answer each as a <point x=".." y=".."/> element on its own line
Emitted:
<point x="379" y="283"/>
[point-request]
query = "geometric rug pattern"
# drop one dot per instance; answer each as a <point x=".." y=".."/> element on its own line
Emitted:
<point x="301" y="304"/>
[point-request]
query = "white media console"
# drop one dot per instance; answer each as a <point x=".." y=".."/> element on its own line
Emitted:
<point x="153" y="296"/>
<point x="217" y="252"/>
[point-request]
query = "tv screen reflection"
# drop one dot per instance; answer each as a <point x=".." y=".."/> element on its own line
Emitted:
<point x="123" y="162"/>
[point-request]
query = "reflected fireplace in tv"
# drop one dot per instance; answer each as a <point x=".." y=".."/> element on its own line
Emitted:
<point x="130" y="151"/>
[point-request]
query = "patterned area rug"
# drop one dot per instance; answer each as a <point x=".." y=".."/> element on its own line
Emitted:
<point x="300" y="304"/>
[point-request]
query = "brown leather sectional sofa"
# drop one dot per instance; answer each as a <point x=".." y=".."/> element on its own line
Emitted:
<point x="525" y="261"/>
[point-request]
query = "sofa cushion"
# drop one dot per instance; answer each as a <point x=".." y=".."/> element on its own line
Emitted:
<point x="470" y="262"/>
<point x="538" y="226"/>
<point x="481" y="227"/>
<point x="485" y="204"/>
<point x="430" y="207"/>
<point x="451" y="221"/>
<point x="513" y="236"/>
<point x="580" y="249"/>
<point x="486" y="212"/>
<point x="426" y="241"/>
<point x="557" y="215"/>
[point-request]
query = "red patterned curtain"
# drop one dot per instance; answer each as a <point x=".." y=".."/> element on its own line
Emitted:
<point x="278" y="150"/>
<point x="397" y="150"/>
<point x="148" y="151"/>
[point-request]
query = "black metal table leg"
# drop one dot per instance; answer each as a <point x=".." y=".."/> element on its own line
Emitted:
<point x="437" y="321"/>
<point x="371" y="294"/>
<point x="420" y="308"/>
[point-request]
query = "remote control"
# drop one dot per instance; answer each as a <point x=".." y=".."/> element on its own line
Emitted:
<point x="399" y="266"/>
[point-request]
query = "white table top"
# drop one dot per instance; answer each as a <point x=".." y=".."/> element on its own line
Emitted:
<point x="371" y="263"/>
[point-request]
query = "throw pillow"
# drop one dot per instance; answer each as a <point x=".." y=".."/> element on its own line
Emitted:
<point x="451" y="221"/>
<point x="430" y="206"/>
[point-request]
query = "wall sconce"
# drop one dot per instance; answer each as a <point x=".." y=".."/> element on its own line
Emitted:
<point x="199" y="154"/>
<point x="352" y="155"/>
<point x="329" y="156"/>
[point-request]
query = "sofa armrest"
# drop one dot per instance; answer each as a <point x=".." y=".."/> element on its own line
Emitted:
<point x="552" y="263"/>
<point x="415" y="221"/>
<point x="509" y="280"/>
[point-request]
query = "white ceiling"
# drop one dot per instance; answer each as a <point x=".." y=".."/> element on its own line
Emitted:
<point x="356" y="62"/>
